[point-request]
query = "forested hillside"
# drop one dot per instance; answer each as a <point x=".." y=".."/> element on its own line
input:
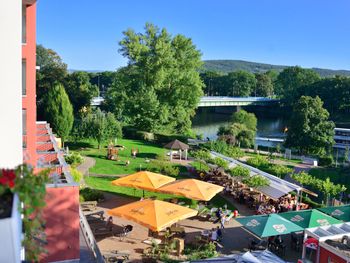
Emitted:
<point x="226" y="66"/>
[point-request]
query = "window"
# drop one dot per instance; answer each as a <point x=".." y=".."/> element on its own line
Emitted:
<point x="24" y="77"/>
<point x="24" y="24"/>
<point x="24" y="121"/>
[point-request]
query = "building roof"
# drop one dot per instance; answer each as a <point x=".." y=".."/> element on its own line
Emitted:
<point x="176" y="145"/>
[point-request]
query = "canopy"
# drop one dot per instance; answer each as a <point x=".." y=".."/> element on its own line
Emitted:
<point x="309" y="218"/>
<point x="258" y="256"/>
<point x="143" y="180"/>
<point x="339" y="212"/>
<point x="192" y="188"/>
<point x="268" y="225"/>
<point x="176" y="145"/>
<point x="153" y="214"/>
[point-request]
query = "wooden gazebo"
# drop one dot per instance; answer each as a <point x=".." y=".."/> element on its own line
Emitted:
<point x="177" y="145"/>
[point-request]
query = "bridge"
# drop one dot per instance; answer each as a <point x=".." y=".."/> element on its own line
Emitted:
<point x="217" y="101"/>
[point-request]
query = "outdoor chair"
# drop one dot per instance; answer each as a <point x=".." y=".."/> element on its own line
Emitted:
<point x="125" y="231"/>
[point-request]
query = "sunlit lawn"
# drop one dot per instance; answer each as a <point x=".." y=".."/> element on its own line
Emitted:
<point x="146" y="150"/>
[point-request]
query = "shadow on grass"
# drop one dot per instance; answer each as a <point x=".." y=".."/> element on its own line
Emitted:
<point x="78" y="145"/>
<point x="147" y="155"/>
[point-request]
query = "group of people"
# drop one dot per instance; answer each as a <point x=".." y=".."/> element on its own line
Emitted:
<point x="215" y="234"/>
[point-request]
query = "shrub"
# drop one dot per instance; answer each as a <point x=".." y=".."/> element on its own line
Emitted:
<point x="74" y="159"/>
<point x="240" y="171"/>
<point x="163" y="167"/>
<point x="258" y="161"/>
<point x="280" y="170"/>
<point x="205" y="251"/>
<point x="234" y="152"/>
<point x="77" y="176"/>
<point x="91" y="194"/>
<point x="256" y="181"/>
<point x="325" y="160"/>
<point x="220" y="163"/>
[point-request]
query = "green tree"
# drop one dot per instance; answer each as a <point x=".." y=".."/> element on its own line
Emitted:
<point x="290" y="80"/>
<point x="346" y="154"/>
<point x="101" y="126"/>
<point x="240" y="171"/>
<point x="52" y="71"/>
<point x="310" y="131"/>
<point x="264" y="85"/>
<point x="58" y="111"/>
<point x="160" y="88"/>
<point x="80" y="90"/>
<point x="256" y="181"/>
<point x="242" y="83"/>
<point x="246" y="118"/>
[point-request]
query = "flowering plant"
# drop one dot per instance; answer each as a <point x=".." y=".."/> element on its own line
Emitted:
<point x="31" y="190"/>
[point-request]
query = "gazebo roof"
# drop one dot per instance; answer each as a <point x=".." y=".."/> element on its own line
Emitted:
<point x="177" y="145"/>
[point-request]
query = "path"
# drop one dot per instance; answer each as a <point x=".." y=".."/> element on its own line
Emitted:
<point x="86" y="165"/>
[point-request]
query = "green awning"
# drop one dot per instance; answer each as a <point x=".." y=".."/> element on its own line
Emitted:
<point x="309" y="218"/>
<point x="268" y="225"/>
<point x="338" y="212"/>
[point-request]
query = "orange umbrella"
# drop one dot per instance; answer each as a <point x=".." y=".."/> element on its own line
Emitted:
<point x="153" y="214"/>
<point x="192" y="188"/>
<point x="143" y="180"/>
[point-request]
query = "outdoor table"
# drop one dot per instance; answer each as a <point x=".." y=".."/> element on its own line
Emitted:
<point x="177" y="230"/>
<point x="150" y="241"/>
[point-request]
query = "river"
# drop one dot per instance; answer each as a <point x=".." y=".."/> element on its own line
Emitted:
<point x="208" y="123"/>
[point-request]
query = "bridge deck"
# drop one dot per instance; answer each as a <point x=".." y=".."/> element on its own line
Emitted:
<point x="217" y="101"/>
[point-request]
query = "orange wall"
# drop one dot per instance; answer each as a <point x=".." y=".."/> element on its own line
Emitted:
<point x="62" y="223"/>
<point x="29" y="100"/>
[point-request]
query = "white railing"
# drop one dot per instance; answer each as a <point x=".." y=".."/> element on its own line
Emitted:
<point x="89" y="237"/>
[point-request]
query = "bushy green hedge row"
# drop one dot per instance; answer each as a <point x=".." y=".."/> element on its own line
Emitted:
<point x="263" y="164"/>
<point x="88" y="194"/>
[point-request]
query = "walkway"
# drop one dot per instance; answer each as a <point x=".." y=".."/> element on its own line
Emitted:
<point x="86" y="165"/>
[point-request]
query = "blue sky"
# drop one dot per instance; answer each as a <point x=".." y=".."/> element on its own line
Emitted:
<point x="312" y="33"/>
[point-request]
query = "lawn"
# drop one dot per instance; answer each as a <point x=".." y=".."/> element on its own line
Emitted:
<point x="104" y="184"/>
<point x="146" y="151"/>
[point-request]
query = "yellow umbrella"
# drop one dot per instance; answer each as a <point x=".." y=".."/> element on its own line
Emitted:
<point x="143" y="180"/>
<point x="153" y="214"/>
<point x="192" y="188"/>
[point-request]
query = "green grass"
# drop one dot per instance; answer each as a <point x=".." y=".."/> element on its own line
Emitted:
<point x="200" y="166"/>
<point x="104" y="184"/>
<point x="296" y="161"/>
<point x="104" y="166"/>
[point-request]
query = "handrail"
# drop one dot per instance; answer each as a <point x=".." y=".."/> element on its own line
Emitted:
<point x="89" y="237"/>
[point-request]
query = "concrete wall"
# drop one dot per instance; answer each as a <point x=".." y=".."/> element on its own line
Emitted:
<point x="62" y="223"/>
<point x="10" y="83"/>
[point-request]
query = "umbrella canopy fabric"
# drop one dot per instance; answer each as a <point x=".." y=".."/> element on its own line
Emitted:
<point x="176" y="145"/>
<point x="309" y="218"/>
<point x="153" y="214"/>
<point x="143" y="180"/>
<point x="268" y="225"/>
<point x="192" y="188"/>
<point x="338" y="212"/>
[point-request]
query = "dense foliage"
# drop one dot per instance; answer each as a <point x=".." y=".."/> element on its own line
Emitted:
<point x="240" y="171"/>
<point x="241" y="131"/>
<point x="58" y="111"/>
<point x="101" y="126"/>
<point x="160" y="88"/>
<point x="88" y="194"/>
<point x="256" y="181"/>
<point x="74" y="159"/>
<point x="310" y="131"/>
<point x="324" y="186"/>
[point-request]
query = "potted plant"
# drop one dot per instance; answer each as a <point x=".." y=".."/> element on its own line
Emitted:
<point x="22" y="197"/>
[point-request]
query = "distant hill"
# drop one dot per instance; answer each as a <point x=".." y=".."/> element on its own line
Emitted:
<point x="226" y="66"/>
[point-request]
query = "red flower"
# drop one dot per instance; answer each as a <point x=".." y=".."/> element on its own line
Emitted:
<point x="8" y="178"/>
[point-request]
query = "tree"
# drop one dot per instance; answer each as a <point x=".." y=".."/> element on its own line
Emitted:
<point x="52" y="71"/>
<point x="309" y="130"/>
<point x="160" y="88"/>
<point x="241" y="131"/>
<point x="58" y="111"/>
<point x="264" y="85"/>
<point x="80" y="90"/>
<point x="290" y="80"/>
<point x="242" y="83"/>
<point x="101" y="126"/>
<point x="346" y="154"/>
<point x="240" y="171"/>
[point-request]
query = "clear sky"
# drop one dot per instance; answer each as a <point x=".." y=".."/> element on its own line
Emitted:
<point x="310" y="33"/>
